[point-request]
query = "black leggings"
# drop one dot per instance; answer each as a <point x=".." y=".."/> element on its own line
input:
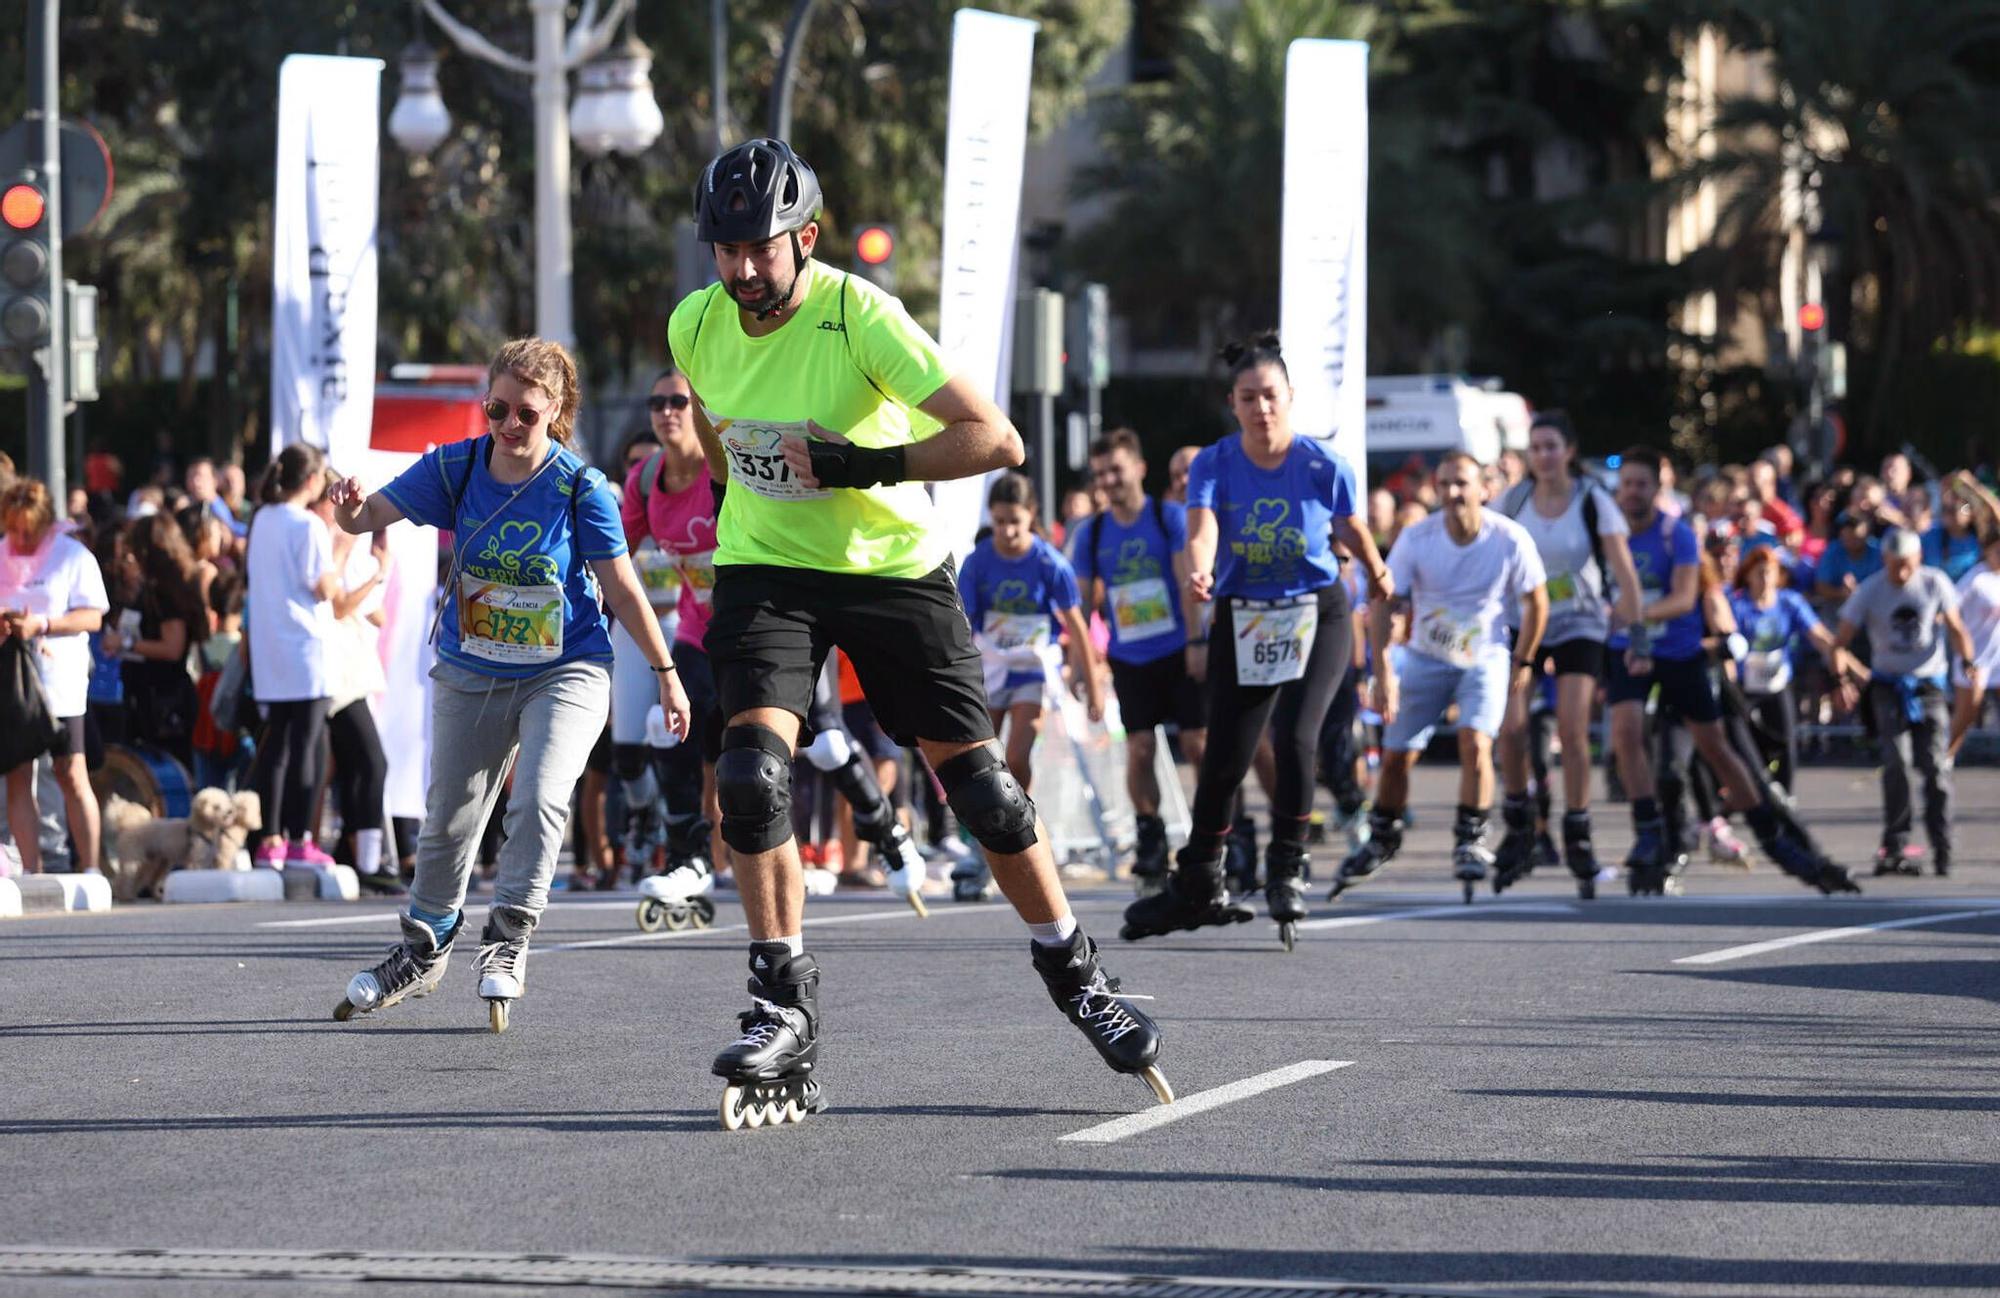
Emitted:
<point x="360" y="768"/>
<point x="1237" y="715"/>
<point x="1775" y="729"/>
<point x="1337" y="748"/>
<point x="287" y="770"/>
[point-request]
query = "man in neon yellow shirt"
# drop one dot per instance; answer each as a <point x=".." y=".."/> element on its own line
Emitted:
<point x="826" y="408"/>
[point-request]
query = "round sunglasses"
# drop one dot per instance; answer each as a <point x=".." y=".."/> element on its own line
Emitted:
<point x="498" y="410"/>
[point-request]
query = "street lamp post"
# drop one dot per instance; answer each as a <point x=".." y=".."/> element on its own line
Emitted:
<point x="617" y="104"/>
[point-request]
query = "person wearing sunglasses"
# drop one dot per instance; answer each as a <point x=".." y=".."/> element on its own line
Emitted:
<point x="523" y="679"/>
<point x="826" y="408"/>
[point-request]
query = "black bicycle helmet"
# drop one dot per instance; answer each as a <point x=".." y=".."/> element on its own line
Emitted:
<point x="753" y="192"/>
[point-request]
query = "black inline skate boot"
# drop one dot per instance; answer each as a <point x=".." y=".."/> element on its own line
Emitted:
<point x="1193" y="898"/>
<point x="1284" y="888"/>
<point x="1470" y="857"/>
<point x="1796" y="854"/>
<point x="1579" y="855"/>
<point x="1385" y="839"/>
<point x="1127" y="1039"/>
<point x="414" y="968"/>
<point x="1149" y="856"/>
<point x="1895" y="857"/>
<point x="1646" y="863"/>
<point x="1239" y="867"/>
<point x="1515" y="859"/>
<point x="769" y="1068"/>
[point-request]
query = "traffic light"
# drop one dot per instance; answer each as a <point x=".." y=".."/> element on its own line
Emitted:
<point x="875" y="254"/>
<point x="24" y="264"/>
<point x="1090" y="343"/>
<point x="1038" y="342"/>
<point x="1812" y="317"/>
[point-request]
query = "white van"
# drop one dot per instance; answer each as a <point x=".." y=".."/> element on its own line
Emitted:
<point x="1413" y="419"/>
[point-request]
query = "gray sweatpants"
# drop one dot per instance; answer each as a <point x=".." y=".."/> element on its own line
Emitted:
<point x="478" y="725"/>
<point x="1927" y="744"/>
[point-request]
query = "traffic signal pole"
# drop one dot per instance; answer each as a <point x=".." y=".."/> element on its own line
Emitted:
<point x="46" y="389"/>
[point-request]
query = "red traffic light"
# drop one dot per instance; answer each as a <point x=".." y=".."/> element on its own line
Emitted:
<point x="23" y="206"/>
<point x="1812" y="317"/>
<point x="874" y="245"/>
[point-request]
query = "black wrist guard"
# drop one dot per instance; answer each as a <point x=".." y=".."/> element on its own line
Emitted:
<point x="843" y="464"/>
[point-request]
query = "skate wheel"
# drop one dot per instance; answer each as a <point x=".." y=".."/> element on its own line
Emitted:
<point x="1131" y="933"/>
<point x="1586" y="889"/>
<point x="678" y="918"/>
<point x="1288" y="933"/>
<point x="917" y="905"/>
<point x="496" y="1015"/>
<point x="651" y="916"/>
<point x="1156" y="1079"/>
<point x="1471" y="886"/>
<point x="732" y="1112"/>
<point x="343" y="1011"/>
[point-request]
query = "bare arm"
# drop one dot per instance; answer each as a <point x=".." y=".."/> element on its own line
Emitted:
<point x="1083" y="660"/>
<point x="627" y="599"/>
<point x="1198" y="562"/>
<point x="977" y="436"/>
<point x="78" y="621"/>
<point x="356" y="511"/>
<point x="1681" y="599"/>
<point x="1354" y="534"/>
<point x="711" y="445"/>
<point x="171" y="646"/>
<point x="1618" y="553"/>
<point x="1534" y="621"/>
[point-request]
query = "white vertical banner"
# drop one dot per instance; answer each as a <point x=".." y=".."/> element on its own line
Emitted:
<point x="323" y="254"/>
<point x="1323" y="277"/>
<point x="986" y="145"/>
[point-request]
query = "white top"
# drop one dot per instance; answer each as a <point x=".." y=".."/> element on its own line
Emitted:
<point x="1578" y="606"/>
<point x="1459" y="594"/>
<point x="60" y="577"/>
<point x="1979" y="605"/>
<point x="288" y="627"/>
<point x="354" y="665"/>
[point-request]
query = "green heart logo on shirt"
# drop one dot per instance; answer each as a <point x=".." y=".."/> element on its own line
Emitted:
<point x="509" y="541"/>
<point x="1265" y="516"/>
<point x="1011" y="596"/>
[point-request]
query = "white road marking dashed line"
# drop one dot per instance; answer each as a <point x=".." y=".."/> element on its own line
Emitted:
<point x="1828" y="935"/>
<point x="1459" y="908"/>
<point x="1187" y="1106"/>
<point x="633" y="939"/>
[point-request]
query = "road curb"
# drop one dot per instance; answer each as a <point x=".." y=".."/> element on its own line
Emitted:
<point x="52" y="894"/>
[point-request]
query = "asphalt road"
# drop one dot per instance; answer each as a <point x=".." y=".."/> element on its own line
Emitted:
<point x="1535" y="1095"/>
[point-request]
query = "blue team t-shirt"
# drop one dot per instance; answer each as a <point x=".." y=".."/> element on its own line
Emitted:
<point x="1656" y="551"/>
<point x="524" y="586"/>
<point x="1956" y="555"/>
<point x="1136" y="564"/>
<point x="1836" y="563"/>
<point x="1274" y="537"/>
<point x="1784" y="625"/>
<point x="1013" y="602"/>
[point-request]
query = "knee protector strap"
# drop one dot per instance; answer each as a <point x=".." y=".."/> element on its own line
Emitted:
<point x="753" y="782"/>
<point x="988" y="800"/>
<point x="829" y="750"/>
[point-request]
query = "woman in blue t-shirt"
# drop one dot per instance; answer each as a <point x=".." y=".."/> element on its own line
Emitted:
<point x="1775" y="622"/>
<point x="1263" y="507"/>
<point x="1019" y="592"/>
<point x="523" y="678"/>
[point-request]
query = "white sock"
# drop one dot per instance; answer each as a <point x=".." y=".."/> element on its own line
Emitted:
<point x="367" y="851"/>
<point x="796" y="944"/>
<point x="1056" y="934"/>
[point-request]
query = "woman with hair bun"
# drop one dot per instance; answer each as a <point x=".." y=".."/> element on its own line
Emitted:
<point x="523" y="678"/>
<point x="1264" y="509"/>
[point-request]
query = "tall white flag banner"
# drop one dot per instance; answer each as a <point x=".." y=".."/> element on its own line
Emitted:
<point x="323" y="254"/>
<point x="1323" y="276"/>
<point x="986" y="145"/>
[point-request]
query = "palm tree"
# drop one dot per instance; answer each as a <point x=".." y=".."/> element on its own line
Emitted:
<point x="1888" y="113"/>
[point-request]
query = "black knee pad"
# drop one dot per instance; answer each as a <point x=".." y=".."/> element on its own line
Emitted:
<point x="753" y="782"/>
<point x="628" y="761"/>
<point x="988" y="800"/>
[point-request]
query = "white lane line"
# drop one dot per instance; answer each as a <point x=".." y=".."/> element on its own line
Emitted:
<point x="389" y="916"/>
<point x="1457" y="908"/>
<point x="633" y="939"/>
<point x="1827" y="935"/>
<point x="1104" y="1133"/>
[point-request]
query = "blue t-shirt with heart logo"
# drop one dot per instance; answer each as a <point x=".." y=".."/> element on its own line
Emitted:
<point x="523" y="598"/>
<point x="1142" y="598"/>
<point x="1274" y="534"/>
<point x="1012" y="603"/>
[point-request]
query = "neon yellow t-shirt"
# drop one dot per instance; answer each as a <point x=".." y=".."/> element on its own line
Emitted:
<point x="850" y="360"/>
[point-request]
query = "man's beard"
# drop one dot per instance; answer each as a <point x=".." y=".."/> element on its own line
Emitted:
<point x="766" y="302"/>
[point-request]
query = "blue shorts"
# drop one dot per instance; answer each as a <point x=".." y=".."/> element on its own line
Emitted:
<point x="1430" y="685"/>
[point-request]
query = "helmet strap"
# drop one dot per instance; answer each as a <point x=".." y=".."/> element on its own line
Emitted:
<point x="798" y="270"/>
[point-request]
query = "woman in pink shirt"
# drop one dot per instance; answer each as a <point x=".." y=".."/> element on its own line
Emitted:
<point x="669" y="510"/>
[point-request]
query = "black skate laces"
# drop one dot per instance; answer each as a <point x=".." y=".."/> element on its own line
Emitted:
<point x="504" y="956"/>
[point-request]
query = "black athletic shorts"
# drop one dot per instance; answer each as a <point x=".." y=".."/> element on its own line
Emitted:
<point x="69" y="737"/>
<point x="1684" y="686"/>
<point x="860" y="721"/>
<point x="1158" y="693"/>
<point x="1572" y="658"/>
<point x="908" y="639"/>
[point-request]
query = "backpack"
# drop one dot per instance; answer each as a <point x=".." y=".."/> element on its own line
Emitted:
<point x="1522" y="492"/>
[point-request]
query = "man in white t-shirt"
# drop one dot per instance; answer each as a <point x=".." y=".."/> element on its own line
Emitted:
<point x="1457" y="573"/>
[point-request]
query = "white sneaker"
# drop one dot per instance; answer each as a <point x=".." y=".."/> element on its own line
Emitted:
<point x="683" y="883"/>
<point x="820" y="883"/>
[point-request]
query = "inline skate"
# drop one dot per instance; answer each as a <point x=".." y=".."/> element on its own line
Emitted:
<point x="768" y="1070"/>
<point x="1124" y="1036"/>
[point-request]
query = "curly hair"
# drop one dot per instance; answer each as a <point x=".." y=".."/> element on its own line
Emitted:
<point x="539" y="363"/>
